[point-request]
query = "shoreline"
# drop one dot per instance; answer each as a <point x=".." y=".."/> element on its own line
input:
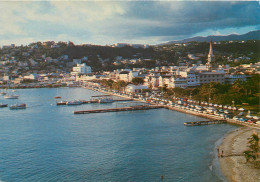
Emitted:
<point x="233" y="165"/>
<point x="231" y="168"/>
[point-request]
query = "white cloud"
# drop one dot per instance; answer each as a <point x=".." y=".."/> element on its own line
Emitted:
<point x="107" y="22"/>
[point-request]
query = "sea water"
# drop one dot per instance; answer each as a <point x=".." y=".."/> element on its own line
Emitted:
<point x="45" y="142"/>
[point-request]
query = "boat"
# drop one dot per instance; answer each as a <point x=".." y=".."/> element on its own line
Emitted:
<point x="3" y="105"/>
<point x="61" y="103"/>
<point x="18" y="106"/>
<point x="7" y="96"/>
<point x="105" y="100"/>
<point x="57" y="97"/>
<point x="3" y="93"/>
<point x="75" y="102"/>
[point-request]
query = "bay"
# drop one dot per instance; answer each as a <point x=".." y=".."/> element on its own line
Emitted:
<point x="46" y="142"/>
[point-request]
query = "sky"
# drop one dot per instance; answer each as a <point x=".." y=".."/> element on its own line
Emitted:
<point x="109" y="22"/>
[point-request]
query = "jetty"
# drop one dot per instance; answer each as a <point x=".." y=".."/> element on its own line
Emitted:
<point x="199" y="123"/>
<point x="93" y="101"/>
<point x="130" y="108"/>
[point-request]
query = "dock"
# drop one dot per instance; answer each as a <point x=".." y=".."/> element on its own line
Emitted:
<point x="130" y="108"/>
<point x="199" y="123"/>
<point x="93" y="101"/>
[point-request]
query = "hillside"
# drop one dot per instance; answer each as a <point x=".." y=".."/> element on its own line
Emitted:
<point x="253" y="35"/>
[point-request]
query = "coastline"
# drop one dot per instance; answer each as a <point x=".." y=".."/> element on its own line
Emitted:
<point x="232" y="168"/>
<point x="235" y="168"/>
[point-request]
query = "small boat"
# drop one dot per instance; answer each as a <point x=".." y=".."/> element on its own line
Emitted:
<point x="3" y="93"/>
<point x="57" y="97"/>
<point x="105" y="100"/>
<point x="11" y="96"/>
<point x="75" y="102"/>
<point x="18" y="106"/>
<point x="61" y="103"/>
<point x="3" y="105"/>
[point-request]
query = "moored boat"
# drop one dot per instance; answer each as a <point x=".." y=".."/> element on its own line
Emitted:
<point x="57" y="97"/>
<point x="61" y="103"/>
<point x="3" y="93"/>
<point x="3" y="105"/>
<point x="7" y="96"/>
<point x="75" y="102"/>
<point x="18" y="106"/>
<point x="105" y="100"/>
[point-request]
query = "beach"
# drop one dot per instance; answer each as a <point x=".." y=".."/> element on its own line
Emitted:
<point x="235" y="168"/>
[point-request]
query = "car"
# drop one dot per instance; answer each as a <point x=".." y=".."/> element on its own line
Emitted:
<point x="226" y="112"/>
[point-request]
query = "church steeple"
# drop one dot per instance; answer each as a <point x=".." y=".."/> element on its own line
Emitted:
<point x="211" y="58"/>
<point x="210" y="48"/>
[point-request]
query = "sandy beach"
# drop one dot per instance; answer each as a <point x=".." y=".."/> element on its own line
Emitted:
<point x="235" y="168"/>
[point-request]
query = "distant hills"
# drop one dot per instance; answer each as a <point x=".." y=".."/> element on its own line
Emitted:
<point x="248" y="36"/>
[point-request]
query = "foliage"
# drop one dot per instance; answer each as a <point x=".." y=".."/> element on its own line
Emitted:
<point x="224" y="94"/>
<point x="253" y="153"/>
<point x="138" y="81"/>
<point x="119" y="85"/>
<point x="107" y="83"/>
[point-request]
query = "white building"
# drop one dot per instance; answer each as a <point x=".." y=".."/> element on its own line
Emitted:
<point x="191" y="77"/>
<point x="81" y="69"/>
<point x="31" y="77"/>
<point x="178" y="82"/>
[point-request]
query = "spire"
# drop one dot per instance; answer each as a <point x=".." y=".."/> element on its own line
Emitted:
<point x="211" y="57"/>
<point x="210" y="48"/>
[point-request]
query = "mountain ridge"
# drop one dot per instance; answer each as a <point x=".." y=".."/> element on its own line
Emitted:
<point x="252" y="35"/>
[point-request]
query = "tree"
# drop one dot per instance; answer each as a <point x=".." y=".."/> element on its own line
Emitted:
<point x="138" y="81"/>
<point x="252" y="154"/>
<point x="119" y="85"/>
<point x="107" y="83"/>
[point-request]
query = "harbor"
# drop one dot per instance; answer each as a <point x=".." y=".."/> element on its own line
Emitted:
<point x="98" y="139"/>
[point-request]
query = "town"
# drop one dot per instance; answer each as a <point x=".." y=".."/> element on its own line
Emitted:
<point x="211" y="84"/>
<point x="130" y="91"/>
<point x="44" y="64"/>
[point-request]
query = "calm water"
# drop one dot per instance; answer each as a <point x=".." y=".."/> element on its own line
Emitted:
<point x="46" y="142"/>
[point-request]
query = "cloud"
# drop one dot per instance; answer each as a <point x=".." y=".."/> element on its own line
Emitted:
<point x="106" y="22"/>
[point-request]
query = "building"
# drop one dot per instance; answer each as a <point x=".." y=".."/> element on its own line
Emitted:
<point x="31" y="77"/>
<point x="81" y="69"/>
<point x="210" y="76"/>
<point x="230" y="79"/>
<point x="211" y="58"/>
<point x="178" y="82"/>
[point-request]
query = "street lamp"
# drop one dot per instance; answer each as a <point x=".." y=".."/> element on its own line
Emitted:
<point x="233" y="102"/>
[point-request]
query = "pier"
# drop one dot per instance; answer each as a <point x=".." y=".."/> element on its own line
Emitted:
<point x="199" y="123"/>
<point x="96" y="101"/>
<point x="93" y="101"/>
<point x="131" y="108"/>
